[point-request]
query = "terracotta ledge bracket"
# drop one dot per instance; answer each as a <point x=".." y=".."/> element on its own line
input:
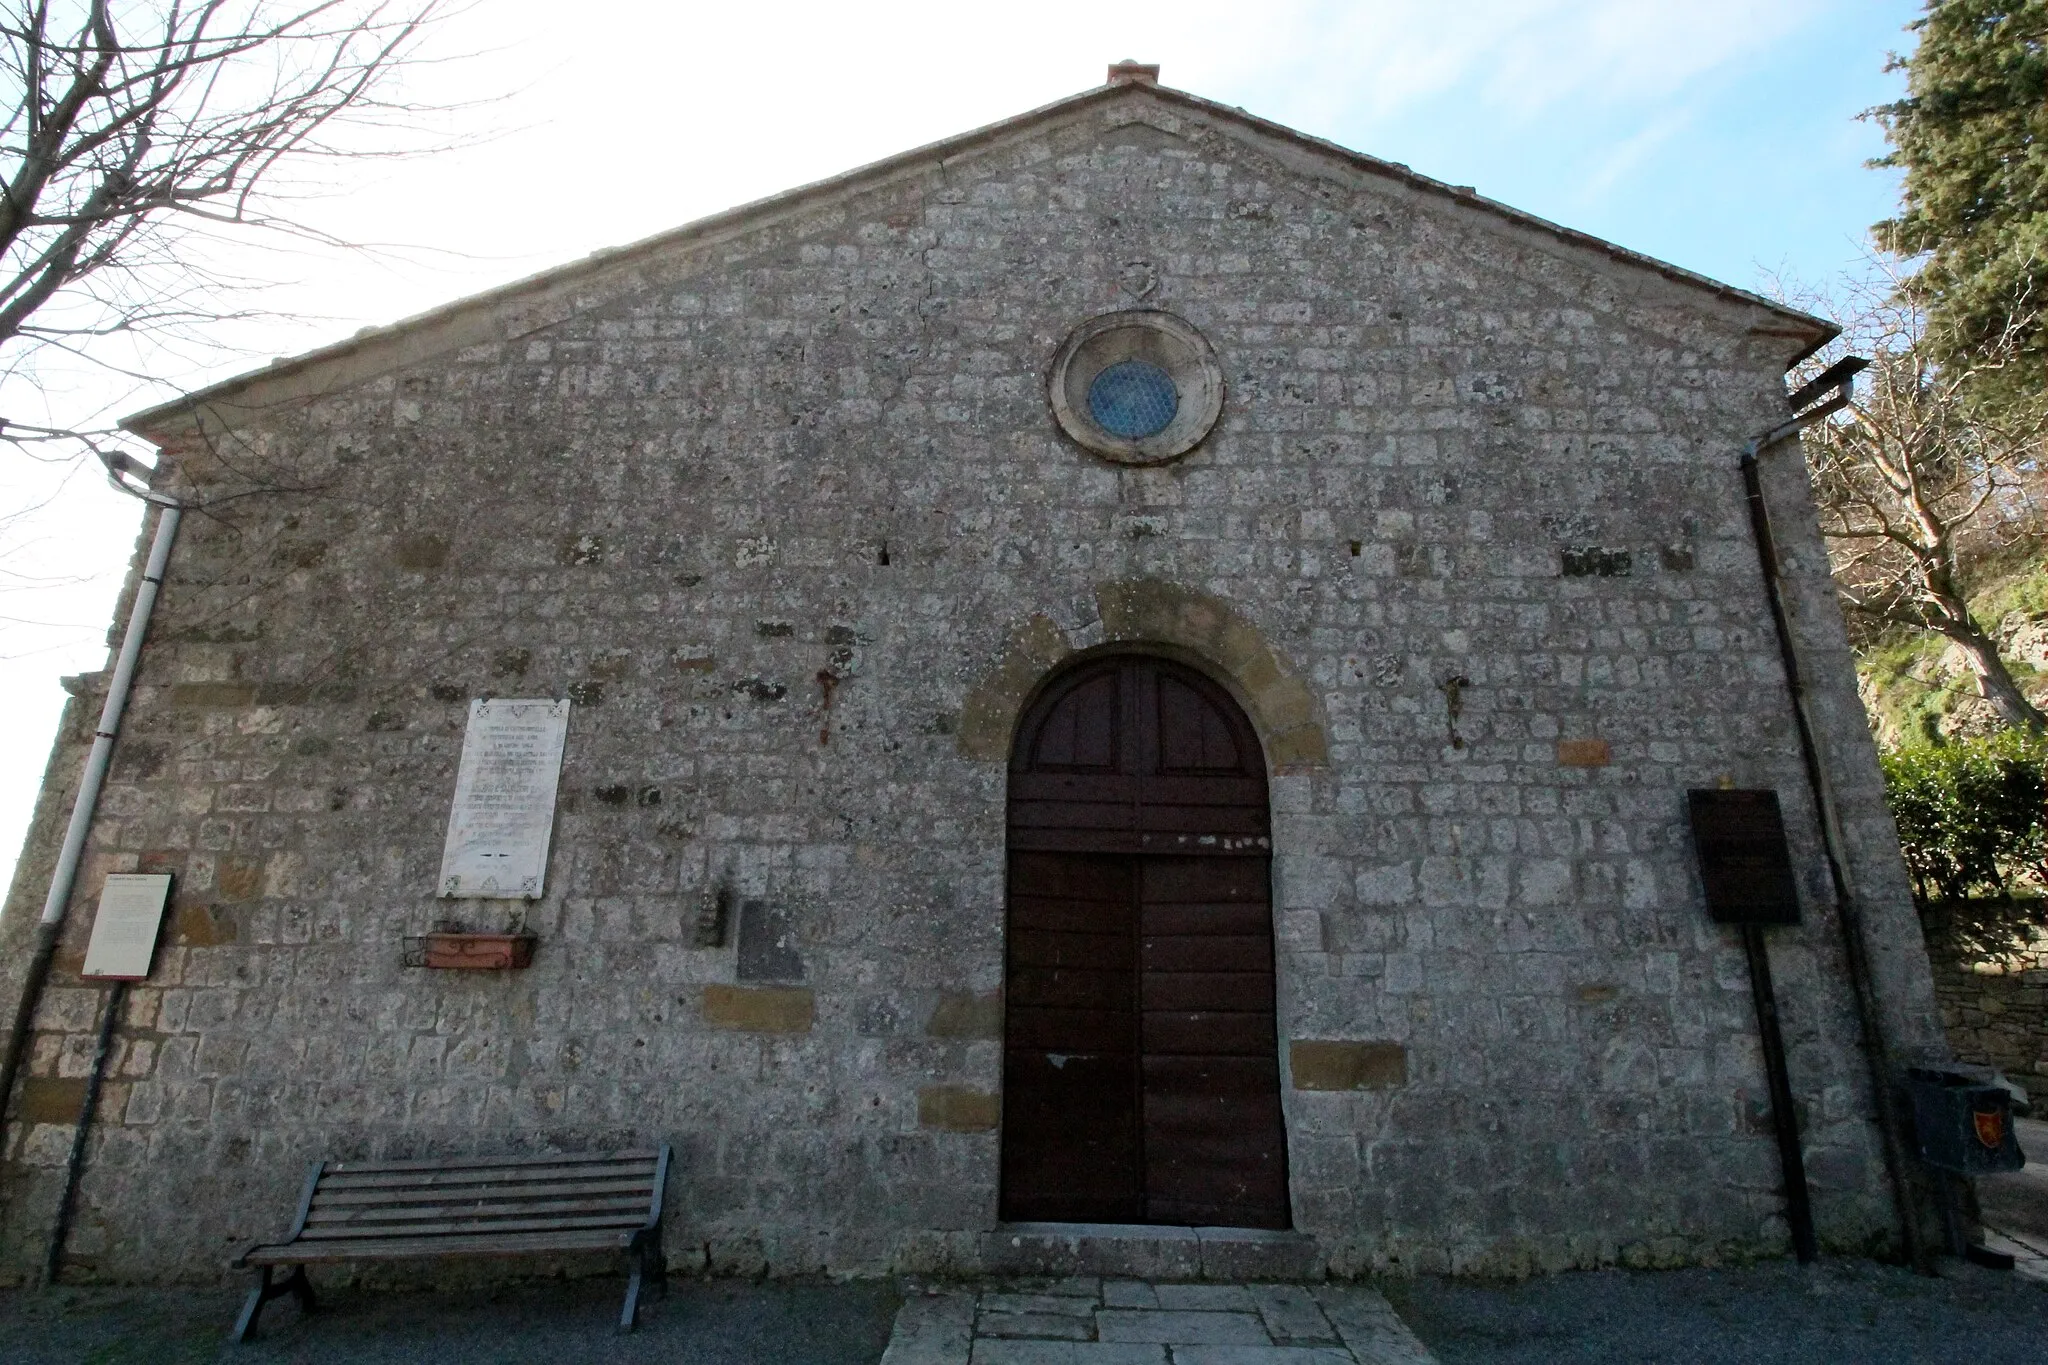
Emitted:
<point x="470" y="952"/>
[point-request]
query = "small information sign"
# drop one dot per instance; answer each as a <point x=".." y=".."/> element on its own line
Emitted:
<point x="124" y="929"/>
<point x="504" y="809"/>
<point x="1745" y="864"/>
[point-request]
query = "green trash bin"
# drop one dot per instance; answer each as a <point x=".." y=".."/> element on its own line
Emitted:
<point x="1963" y="1121"/>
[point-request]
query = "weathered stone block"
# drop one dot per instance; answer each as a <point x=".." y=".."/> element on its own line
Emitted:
<point x="759" y="1009"/>
<point x="963" y="1014"/>
<point x="1583" y="753"/>
<point x="50" y="1099"/>
<point x="767" y="944"/>
<point x="213" y="694"/>
<point x="957" y="1109"/>
<point x="1321" y="1064"/>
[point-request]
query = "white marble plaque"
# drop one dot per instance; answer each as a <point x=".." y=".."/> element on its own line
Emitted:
<point x="505" y="799"/>
<point x="125" y="927"/>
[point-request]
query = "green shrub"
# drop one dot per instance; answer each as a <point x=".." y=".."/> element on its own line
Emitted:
<point x="1970" y="813"/>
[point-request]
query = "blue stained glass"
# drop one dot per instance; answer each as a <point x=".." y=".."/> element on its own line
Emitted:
<point x="1133" y="400"/>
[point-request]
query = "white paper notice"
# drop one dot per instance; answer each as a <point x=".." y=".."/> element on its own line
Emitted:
<point x="505" y="799"/>
<point x="124" y="930"/>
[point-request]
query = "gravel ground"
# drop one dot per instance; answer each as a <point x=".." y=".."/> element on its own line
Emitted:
<point x="1852" y="1312"/>
<point x="2015" y="1206"/>
<point x="715" y="1323"/>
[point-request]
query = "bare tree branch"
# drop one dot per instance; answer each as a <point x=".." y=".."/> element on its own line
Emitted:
<point x="131" y="131"/>
<point x="1914" y="481"/>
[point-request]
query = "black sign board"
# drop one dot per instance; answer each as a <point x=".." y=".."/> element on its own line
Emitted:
<point x="1744" y="863"/>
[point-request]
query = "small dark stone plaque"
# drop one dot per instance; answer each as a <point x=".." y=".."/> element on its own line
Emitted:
<point x="1744" y="861"/>
<point x="767" y="944"/>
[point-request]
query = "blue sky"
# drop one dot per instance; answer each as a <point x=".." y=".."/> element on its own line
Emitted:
<point x="1719" y="136"/>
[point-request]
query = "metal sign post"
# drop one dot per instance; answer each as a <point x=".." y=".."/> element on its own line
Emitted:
<point x="1739" y="837"/>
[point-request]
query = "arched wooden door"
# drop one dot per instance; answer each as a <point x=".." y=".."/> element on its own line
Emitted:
<point x="1141" y="1079"/>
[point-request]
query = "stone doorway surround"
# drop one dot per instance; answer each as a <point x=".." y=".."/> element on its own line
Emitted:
<point x="1206" y="631"/>
<point x="1084" y="1320"/>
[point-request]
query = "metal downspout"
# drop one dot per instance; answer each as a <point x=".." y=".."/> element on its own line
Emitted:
<point x="83" y="809"/>
<point x="1848" y="914"/>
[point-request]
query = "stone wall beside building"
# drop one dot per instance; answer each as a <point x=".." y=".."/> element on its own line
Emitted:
<point x="1994" y="997"/>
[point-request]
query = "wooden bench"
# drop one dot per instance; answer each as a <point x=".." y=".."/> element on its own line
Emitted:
<point x="493" y="1206"/>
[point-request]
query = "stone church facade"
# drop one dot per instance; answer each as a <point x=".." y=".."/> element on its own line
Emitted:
<point x="1456" y="568"/>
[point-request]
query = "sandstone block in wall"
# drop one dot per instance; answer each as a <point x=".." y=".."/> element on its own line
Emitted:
<point x="210" y="694"/>
<point x="759" y="1009"/>
<point x="1583" y="753"/>
<point x="51" y="1099"/>
<point x="956" y="1109"/>
<point x="1323" y="1064"/>
<point x="963" y="1014"/>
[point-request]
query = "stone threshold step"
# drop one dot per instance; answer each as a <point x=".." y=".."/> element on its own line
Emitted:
<point x="1150" y="1252"/>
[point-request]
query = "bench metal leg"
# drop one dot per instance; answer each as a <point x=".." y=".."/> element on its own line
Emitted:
<point x="295" y="1284"/>
<point x="245" y="1325"/>
<point x="629" y="1315"/>
<point x="657" y="1265"/>
<point x="649" y="1272"/>
<point x="302" y="1289"/>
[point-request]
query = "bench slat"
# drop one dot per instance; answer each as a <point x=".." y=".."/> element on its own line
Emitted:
<point x="429" y="1194"/>
<point x="464" y="1227"/>
<point x="400" y="1248"/>
<point x="401" y="1180"/>
<point x="478" y="1163"/>
<point x="636" y="1207"/>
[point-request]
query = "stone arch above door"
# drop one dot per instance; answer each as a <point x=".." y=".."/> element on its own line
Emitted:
<point x="1150" y="611"/>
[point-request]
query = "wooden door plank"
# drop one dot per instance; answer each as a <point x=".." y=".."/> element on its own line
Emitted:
<point x="466" y="1227"/>
<point x="558" y="1189"/>
<point x="1141" y="1073"/>
<point x="1070" y="1118"/>
<point x="455" y="1164"/>
<point x="636" y="1206"/>
<point x="1215" y="1138"/>
<point x="1208" y="990"/>
<point x="386" y="1249"/>
<point x="419" y="1179"/>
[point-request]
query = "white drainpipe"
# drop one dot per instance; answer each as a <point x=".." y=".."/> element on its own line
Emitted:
<point x="83" y="809"/>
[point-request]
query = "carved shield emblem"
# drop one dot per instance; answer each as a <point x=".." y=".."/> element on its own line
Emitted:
<point x="1990" y="1126"/>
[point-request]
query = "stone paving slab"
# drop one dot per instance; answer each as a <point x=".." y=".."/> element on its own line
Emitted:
<point x="1067" y="1353"/>
<point x="1262" y="1355"/>
<point x="1084" y="1321"/>
<point x="1293" y="1316"/>
<point x="1370" y="1326"/>
<point x="1176" y="1328"/>
<point x="1074" y="1304"/>
<point x="1037" y="1326"/>
<point x="1234" y="1298"/>
<point x="932" y="1329"/>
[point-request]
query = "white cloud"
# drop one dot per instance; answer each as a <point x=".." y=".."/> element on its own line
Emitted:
<point x="1513" y="57"/>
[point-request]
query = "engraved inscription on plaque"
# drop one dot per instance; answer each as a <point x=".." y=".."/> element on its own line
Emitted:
<point x="505" y="799"/>
<point x="1745" y="865"/>
<point x="124" y="930"/>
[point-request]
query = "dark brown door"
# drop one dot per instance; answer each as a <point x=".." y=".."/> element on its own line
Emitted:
<point x="1141" y="1073"/>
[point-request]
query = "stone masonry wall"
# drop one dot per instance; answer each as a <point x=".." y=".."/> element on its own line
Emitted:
<point x="1994" y="1000"/>
<point x="777" y="507"/>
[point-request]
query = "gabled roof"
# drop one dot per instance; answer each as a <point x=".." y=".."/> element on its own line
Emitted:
<point x="496" y="314"/>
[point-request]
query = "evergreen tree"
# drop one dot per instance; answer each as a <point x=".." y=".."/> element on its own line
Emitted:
<point x="1972" y="138"/>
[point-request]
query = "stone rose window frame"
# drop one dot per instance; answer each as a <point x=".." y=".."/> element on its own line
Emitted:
<point x="1151" y="337"/>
